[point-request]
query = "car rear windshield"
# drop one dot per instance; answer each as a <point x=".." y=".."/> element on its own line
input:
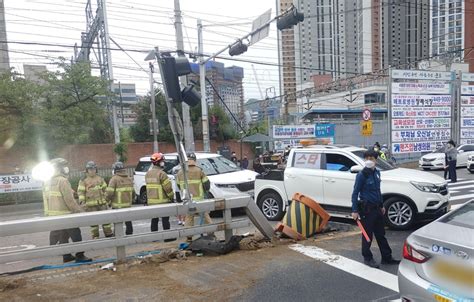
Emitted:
<point x="381" y="164"/>
<point x="217" y="165"/>
<point x="463" y="217"/>
<point x="143" y="166"/>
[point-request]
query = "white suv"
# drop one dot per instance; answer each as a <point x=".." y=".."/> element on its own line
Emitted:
<point x="226" y="178"/>
<point x="327" y="175"/>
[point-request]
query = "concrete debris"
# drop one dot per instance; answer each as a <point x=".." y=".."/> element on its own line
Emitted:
<point x="255" y="243"/>
<point x="165" y="256"/>
<point x="109" y="267"/>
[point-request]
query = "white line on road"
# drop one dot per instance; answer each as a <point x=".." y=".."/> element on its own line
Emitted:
<point x="460" y="183"/>
<point x="459" y="197"/>
<point x="462" y="187"/>
<point x="350" y="266"/>
<point x="456" y="206"/>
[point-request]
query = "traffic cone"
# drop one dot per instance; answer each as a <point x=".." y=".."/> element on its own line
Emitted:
<point x="304" y="218"/>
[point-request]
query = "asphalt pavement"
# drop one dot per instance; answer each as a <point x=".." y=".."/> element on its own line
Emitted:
<point x="463" y="189"/>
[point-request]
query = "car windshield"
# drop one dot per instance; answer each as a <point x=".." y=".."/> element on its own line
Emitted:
<point x="463" y="217"/>
<point x="381" y="164"/>
<point x="217" y="165"/>
<point x="143" y="166"/>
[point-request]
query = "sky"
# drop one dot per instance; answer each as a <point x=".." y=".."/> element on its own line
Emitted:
<point x="137" y="26"/>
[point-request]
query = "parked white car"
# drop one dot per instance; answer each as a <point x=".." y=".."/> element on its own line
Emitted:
<point x="436" y="159"/>
<point x="470" y="163"/>
<point x="327" y="175"/>
<point x="226" y="178"/>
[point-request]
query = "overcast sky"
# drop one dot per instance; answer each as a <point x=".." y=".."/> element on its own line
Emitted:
<point x="141" y="25"/>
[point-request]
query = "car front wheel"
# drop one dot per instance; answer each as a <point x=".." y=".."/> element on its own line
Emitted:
<point x="271" y="206"/>
<point x="142" y="199"/>
<point x="400" y="214"/>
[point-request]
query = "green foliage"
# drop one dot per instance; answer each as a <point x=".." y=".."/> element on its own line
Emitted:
<point x="224" y="130"/>
<point x="121" y="150"/>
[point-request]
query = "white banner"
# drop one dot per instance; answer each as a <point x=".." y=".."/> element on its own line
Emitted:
<point x="466" y="141"/>
<point x="467" y="100"/>
<point x="421" y="135"/>
<point x="422" y="100"/>
<point x="416" y="147"/>
<point x="433" y="88"/>
<point x="467" y="122"/>
<point x="18" y="183"/>
<point x="422" y="75"/>
<point x="467" y="111"/>
<point x="293" y="131"/>
<point x="467" y="77"/>
<point x="467" y="133"/>
<point x="421" y="112"/>
<point x="467" y="90"/>
<point x="430" y="123"/>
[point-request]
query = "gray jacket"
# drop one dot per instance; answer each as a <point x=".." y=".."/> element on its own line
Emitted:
<point x="452" y="154"/>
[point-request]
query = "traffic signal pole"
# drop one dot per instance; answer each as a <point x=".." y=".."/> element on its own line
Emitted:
<point x="202" y="83"/>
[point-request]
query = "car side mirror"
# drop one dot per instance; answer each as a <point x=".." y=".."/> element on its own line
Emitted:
<point x="356" y="169"/>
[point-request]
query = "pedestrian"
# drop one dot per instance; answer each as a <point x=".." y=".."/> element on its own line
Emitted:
<point x="159" y="189"/>
<point x="446" y="166"/>
<point x="234" y="158"/>
<point x="367" y="205"/>
<point x="198" y="186"/>
<point x="257" y="166"/>
<point x="91" y="191"/>
<point x="245" y="163"/>
<point x="452" y="157"/>
<point x="379" y="152"/>
<point x="58" y="198"/>
<point x="119" y="193"/>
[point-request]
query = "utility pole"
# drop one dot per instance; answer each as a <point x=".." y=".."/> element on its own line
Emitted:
<point x="121" y="104"/>
<point x="188" y="128"/>
<point x="153" y="109"/>
<point x="202" y="81"/>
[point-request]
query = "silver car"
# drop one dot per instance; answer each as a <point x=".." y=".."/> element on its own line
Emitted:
<point x="438" y="259"/>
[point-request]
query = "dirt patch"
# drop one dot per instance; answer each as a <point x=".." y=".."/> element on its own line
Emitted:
<point x="11" y="284"/>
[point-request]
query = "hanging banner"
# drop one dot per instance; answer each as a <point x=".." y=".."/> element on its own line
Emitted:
<point x="434" y="88"/>
<point x="405" y="124"/>
<point x="467" y="122"/>
<point x="422" y="75"/>
<point x="293" y="131"/>
<point x="467" y="100"/>
<point x="467" y="77"/>
<point x="19" y="183"/>
<point x="421" y="112"/>
<point x="416" y="147"/>
<point x="422" y="100"/>
<point x="467" y="90"/>
<point x="467" y="133"/>
<point x="421" y="135"/>
<point x="467" y="111"/>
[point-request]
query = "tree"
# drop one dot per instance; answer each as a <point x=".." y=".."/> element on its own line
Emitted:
<point x="221" y="127"/>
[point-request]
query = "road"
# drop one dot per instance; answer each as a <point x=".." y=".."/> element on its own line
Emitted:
<point x="284" y="273"/>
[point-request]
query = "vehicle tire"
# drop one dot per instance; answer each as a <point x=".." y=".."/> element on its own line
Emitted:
<point x="271" y="206"/>
<point x="142" y="199"/>
<point x="400" y="213"/>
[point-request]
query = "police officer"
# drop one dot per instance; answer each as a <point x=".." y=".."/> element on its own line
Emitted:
<point x="158" y="189"/>
<point x="91" y="191"/>
<point x="198" y="186"/>
<point x="119" y="193"/>
<point x="379" y="151"/>
<point x="58" y="199"/>
<point x="367" y="205"/>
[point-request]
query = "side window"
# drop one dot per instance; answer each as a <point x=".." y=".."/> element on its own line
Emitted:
<point x="468" y="148"/>
<point x="338" y="162"/>
<point x="169" y="165"/>
<point x="307" y="160"/>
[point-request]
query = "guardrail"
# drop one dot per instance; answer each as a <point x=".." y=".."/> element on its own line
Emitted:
<point x="119" y="216"/>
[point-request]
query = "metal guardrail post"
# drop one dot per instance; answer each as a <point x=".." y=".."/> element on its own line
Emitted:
<point x="227" y="220"/>
<point x="119" y="233"/>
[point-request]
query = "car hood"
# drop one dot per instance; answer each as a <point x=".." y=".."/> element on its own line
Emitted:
<point x="413" y="175"/>
<point x="233" y="177"/>
<point x="433" y="155"/>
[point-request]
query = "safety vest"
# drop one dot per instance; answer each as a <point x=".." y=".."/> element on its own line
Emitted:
<point x="120" y="191"/>
<point x="158" y="187"/>
<point x="53" y="200"/>
<point x="91" y="191"/>
<point x="196" y="178"/>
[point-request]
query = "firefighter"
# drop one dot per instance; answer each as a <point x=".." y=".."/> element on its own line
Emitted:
<point x="58" y="198"/>
<point x="119" y="193"/>
<point x="91" y="191"/>
<point x="198" y="186"/>
<point x="159" y="189"/>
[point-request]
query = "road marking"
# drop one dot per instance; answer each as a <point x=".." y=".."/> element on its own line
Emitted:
<point x="459" y="197"/>
<point x="21" y="247"/>
<point x="460" y="183"/>
<point x="350" y="266"/>
<point x="461" y="187"/>
<point x="456" y="206"/>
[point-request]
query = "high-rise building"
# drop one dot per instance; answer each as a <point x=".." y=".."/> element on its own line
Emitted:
<point x="4" y="58"/>
<point x="228" y="83"/>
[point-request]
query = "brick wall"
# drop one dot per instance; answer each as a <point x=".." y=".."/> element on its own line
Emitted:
<point x="102" y="154"/>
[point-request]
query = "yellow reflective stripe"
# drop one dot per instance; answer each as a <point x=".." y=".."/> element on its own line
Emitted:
<point x="153" y="186"/>
<point x="124" y="190"/>
<point x="110" y="189"/>
<point x="82" y="188"/>
<point x="54" y="193"/>
<point x="56" y="213"/>
<point x="120" y="205"/>
<point x="204" y="179"/>
<point x="82" y="197"/>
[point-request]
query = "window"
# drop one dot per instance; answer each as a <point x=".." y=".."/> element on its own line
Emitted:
<point x="381" y="164"/>
<point x="467" y="148"/>
<point x="307" y="160"/>
<point x="338" y="162"/>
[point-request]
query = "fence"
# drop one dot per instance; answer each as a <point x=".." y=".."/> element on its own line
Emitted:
<point x="118" y="217"/>
<point x="104" y="172"/>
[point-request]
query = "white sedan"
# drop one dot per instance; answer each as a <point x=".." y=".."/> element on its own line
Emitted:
<point x="436" y="159"/>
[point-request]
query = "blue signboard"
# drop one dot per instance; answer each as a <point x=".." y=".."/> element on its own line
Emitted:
<point x="325" y="130"/>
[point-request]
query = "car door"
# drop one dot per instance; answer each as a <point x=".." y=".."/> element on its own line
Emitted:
<point x="304" y="175"/>
<point x="338" y="181"/>
<point x="463" y="154"/>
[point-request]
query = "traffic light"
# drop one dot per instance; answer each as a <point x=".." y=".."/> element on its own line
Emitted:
<point x="290" y="19"/>
<point x="172" y="69"/>
<point x="238" y="48"/>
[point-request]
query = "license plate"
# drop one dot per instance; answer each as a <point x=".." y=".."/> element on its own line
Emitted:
<point x="440" y="298"/>
<point x="454" y="273"/>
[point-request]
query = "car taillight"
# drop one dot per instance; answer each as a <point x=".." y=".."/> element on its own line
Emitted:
<point x="411" y="254"/>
